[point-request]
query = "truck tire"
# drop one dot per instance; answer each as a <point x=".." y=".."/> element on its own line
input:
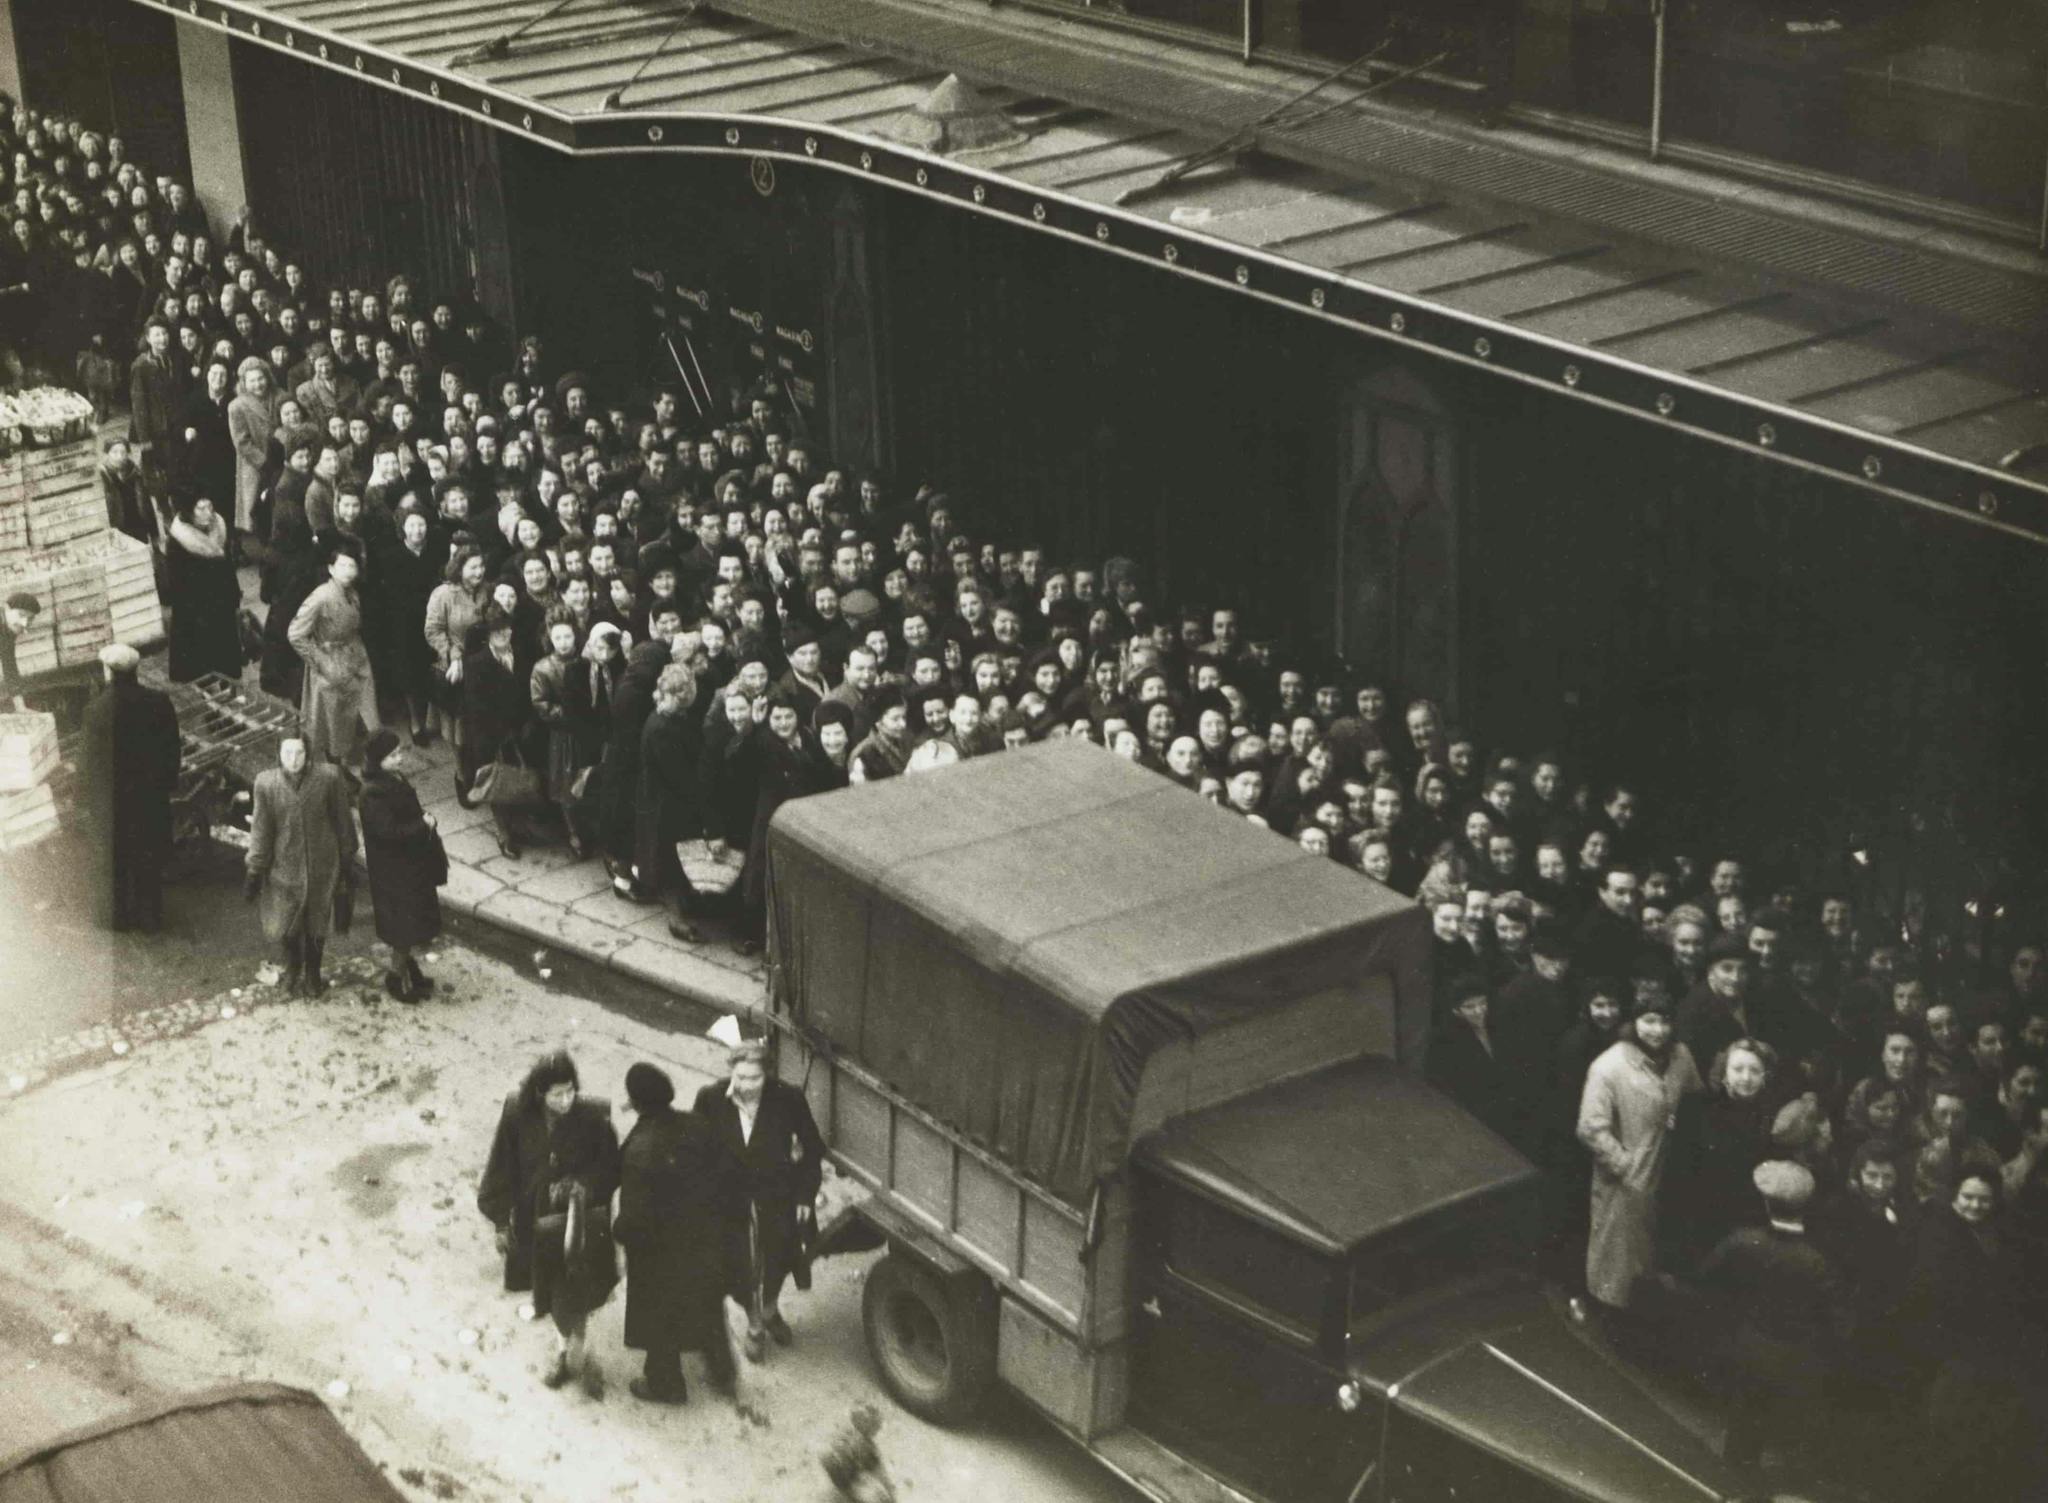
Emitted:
<point x="933" y="1339"/>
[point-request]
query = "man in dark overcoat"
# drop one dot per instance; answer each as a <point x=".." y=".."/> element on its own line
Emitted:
<point x="767" y="1126"/>
<point x="630" y="708"/>
<point x="678" y="1194"/>
<point x="302" y="837"/>
<point x="132" y="759"/>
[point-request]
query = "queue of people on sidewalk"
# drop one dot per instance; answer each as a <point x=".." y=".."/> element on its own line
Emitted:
<point x="642" y="626"/>
<point x="715" y="1202"/>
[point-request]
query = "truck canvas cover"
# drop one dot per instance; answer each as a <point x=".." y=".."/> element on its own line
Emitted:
<point x="1007" y="941"/>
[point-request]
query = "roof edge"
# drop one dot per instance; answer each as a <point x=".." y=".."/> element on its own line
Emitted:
<point x="1961" y="490"/>
<point x="206" y="1398"/>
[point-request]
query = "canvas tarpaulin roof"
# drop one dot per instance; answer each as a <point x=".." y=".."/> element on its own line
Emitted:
<point x="1008" y="940"/>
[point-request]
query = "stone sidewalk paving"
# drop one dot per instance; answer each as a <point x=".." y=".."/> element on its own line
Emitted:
<point x="549" y="896"/>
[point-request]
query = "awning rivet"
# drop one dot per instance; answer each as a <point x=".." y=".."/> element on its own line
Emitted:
<point x="1666" y="404"/>
<point x="291" y="39"/>
<point x="485" y="106"/>
<point x="396" y="77"/>
<point x="1766" y="434"/>
<point x="255" y="28"/>
<point x="434" y="88"/>
<point x="732" y="135"/>
<point x="1571" y="375"/>
<point x="923" y="177"/>
<point x="1101" y="231"/>
<point x="867" y="161"/>
<point x="1872" y="467"/>
<point x="1482" y="347"/>
<point x="359" y="62"/>
<point x="810" y="146"/>
<point x="1398" y="323"/>
<point x="1244" y="276"/>
<point x="1317" y="297"/>
<point x="1038" y="212"/>
<point x="323" y="51"/>
<point x="526" y="121"/>
<point x="980" y="193"/>
<point x="654" y="133"/>
<point x="1987" y="503"/>
<point x="1171" y="252"/>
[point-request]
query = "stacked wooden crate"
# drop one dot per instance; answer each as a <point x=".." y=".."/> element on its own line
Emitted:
<point x="28" y="755"/>
<point x="95" y="585"/>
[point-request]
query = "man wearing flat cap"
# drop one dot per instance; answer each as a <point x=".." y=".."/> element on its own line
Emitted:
<point x="678" y="1198"/>
<point x="132" y="755"/>
<point x="1784" y="1314"/>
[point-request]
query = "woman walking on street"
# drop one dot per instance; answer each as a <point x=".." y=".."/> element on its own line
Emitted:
<point x="301" y="839"/>
<point x="547" y="1187"/>
<point x="406" y="862"/>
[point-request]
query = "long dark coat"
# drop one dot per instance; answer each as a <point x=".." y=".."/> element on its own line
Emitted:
<point x="405" y="859"/>
<point x="678" y="1198"/>
<point x="631" y="706"/>
<point x="206" y="460"/>
<point x="669" y="807"/>
<point x="301" y="837"/>
<point x="132" y="756"/>
<point x="408" y="581"/>
<point x="494" y="707"/>
<point x="786" y="772"/>
<point x="530" y="1155"/>
<point x="204" y="596"/>
<point x="1709" y="1193"/>
<point x="780" y="1168"/>
<point x="730" y="784"/>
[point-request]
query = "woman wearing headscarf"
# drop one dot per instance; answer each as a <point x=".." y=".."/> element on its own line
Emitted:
<point x="203" y="593"/>
<point x="406" y="863"/>
<point x="547" y="1188"/>
<point x="1626" y="1114"/>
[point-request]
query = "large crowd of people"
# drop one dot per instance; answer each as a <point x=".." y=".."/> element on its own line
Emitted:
<point x="641" y="623"/>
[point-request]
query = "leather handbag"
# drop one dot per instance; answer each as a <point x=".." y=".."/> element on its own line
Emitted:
<point x="507" y="784"/>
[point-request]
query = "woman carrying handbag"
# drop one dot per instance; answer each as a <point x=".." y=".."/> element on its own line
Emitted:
<point x="495" y="710"/>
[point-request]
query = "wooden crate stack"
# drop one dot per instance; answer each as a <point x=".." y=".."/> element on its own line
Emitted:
<point x="96" y="585"/>
<point x="28" y="755"/>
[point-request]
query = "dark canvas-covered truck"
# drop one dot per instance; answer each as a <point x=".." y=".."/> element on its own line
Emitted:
<point x="1132" y="1084"/>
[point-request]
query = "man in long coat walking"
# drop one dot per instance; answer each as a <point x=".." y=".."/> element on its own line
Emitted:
<point x="302" y="836"/>
<point x="132" y="759"/>
<point x="678" y="1195"/>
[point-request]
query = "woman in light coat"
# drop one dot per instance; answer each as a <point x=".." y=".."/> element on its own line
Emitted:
<point x="1626" y="1115"/>
<point x="253" y="417"/>
<point x="455" y="606"/>
<point x="327" y="633"/>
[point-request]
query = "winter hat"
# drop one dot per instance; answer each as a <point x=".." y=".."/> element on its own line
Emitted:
<point x="383" y="742"/>
<point x="1797" y="1126"/>
<point x="648" y="1087"/>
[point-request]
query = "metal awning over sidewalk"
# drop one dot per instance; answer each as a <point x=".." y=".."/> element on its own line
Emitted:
<point x="1883" y="363"/>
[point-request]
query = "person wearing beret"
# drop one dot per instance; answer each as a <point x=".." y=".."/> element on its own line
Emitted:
<point x="406" y="863"/>
<point x="1783" y="1311"/>
<point x="1717" y="1011"/>
<point x="679" y="1196"/>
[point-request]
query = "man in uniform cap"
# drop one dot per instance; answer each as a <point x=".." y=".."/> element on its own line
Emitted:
<point x="1784" y="1313"/>
<point x="132" y="755"/>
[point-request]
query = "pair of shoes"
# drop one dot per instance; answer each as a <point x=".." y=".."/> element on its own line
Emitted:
<point x="756" y="1346"/>
<point x="314" y="984"/>
<point x="593" y="1379"/>
<point x="508" y="848"/>
<point x="778" y="1328"/>
<point x="422" y="983"/>
<point x="557" y="1372"/>
<point x="647" y="1393"/>
<point x="400" y="986"/>
<point x="629" y="892"/>
<point x="685" y="931"/>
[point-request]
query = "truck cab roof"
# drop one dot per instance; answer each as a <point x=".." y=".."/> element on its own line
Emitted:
<point x="1340" y="1157"/>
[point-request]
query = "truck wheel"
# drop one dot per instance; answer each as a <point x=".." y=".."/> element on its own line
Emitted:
<point x="934" y="1341"/>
